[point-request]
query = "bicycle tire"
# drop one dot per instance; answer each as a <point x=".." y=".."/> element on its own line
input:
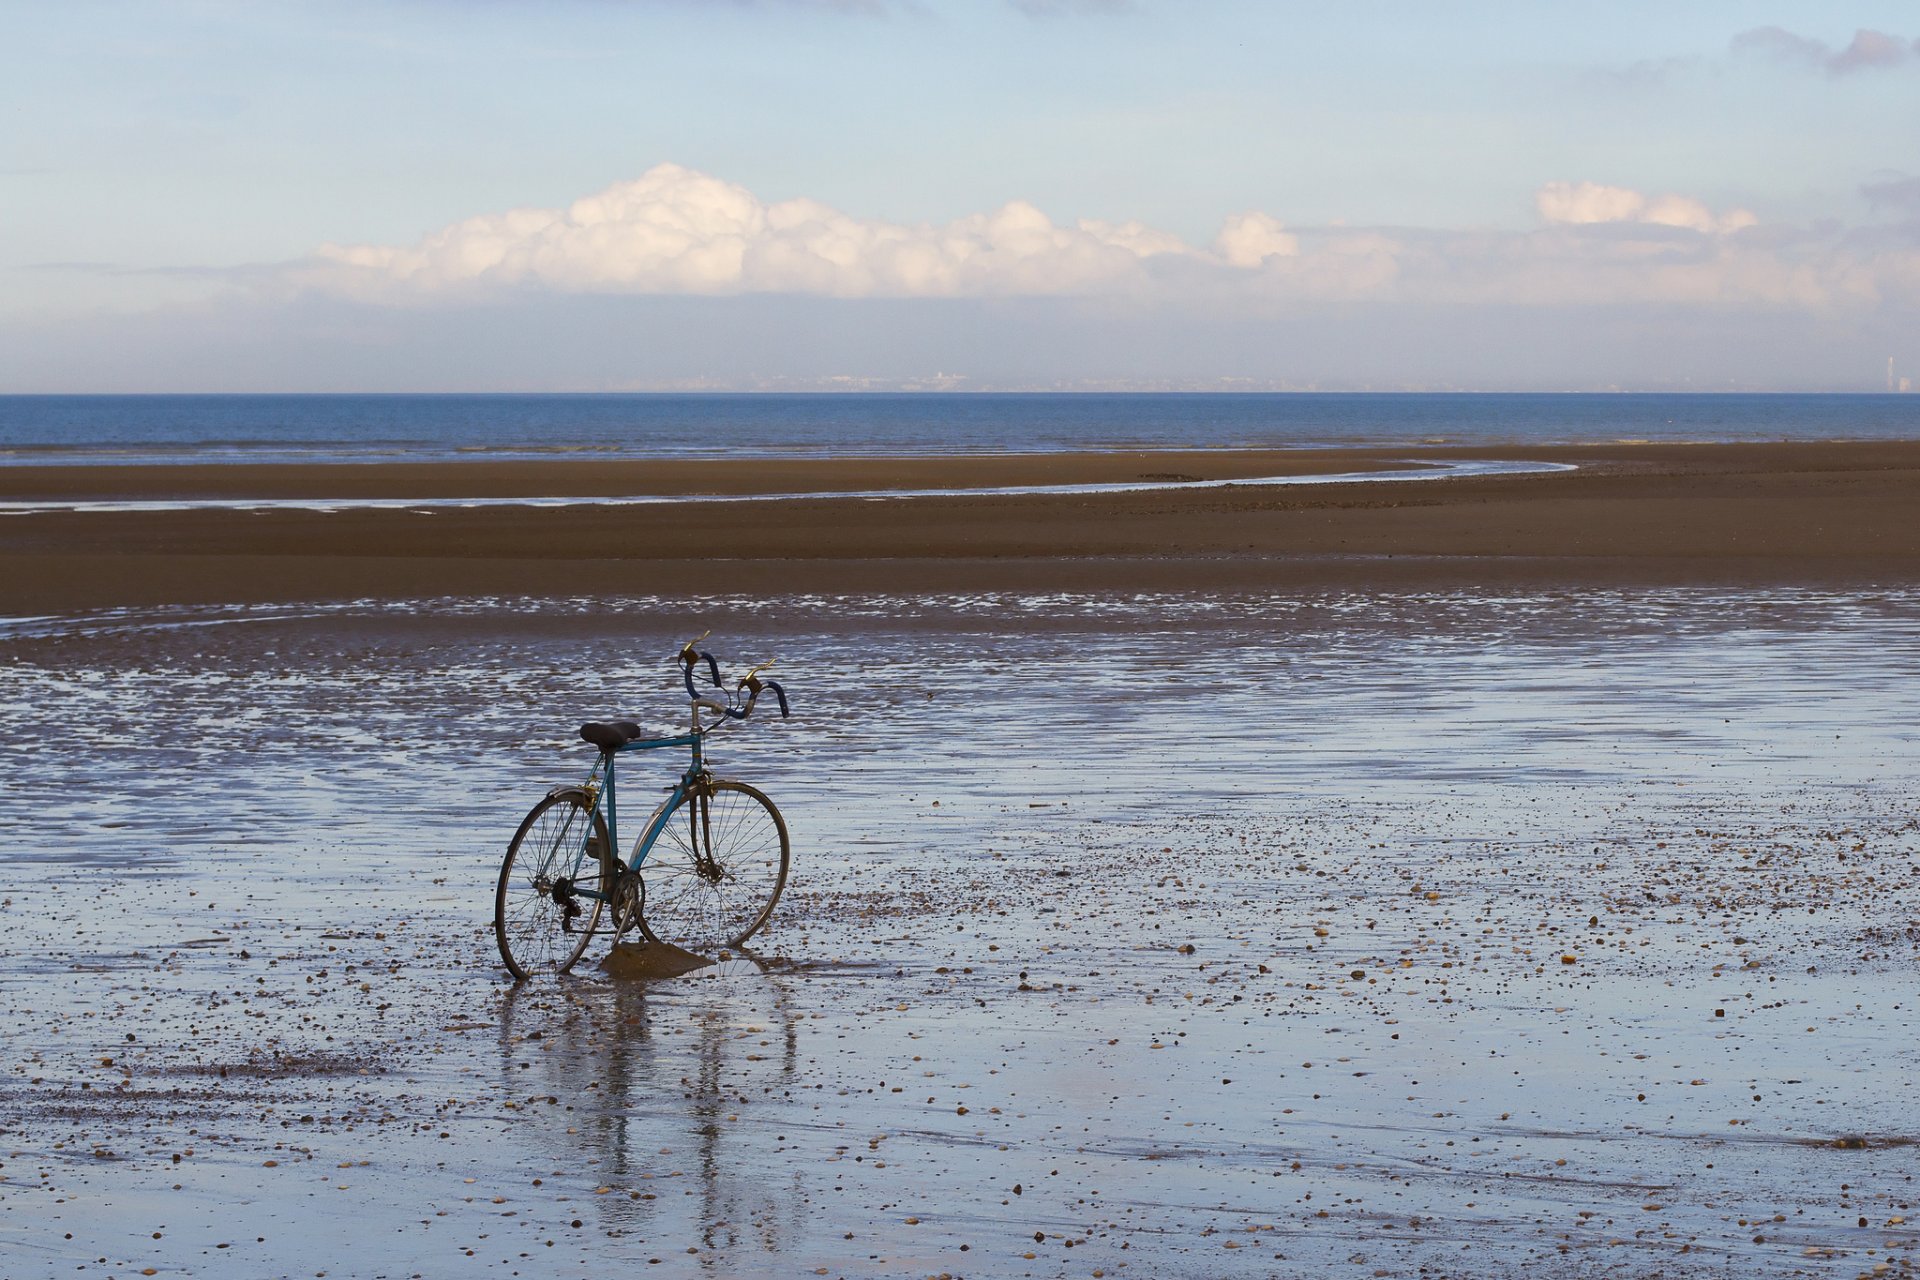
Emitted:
<point x="706" y="905"/>
<point x="533" y="928"/>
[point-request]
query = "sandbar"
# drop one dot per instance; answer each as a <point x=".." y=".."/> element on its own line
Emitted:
<point x="1794" y="512"/>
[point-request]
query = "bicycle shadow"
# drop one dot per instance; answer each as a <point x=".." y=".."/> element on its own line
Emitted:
<point x="652" y="961"/>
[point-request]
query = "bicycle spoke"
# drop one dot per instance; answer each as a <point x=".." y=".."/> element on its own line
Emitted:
<point x="712" y="878"/>
<point x="536" y="931"/>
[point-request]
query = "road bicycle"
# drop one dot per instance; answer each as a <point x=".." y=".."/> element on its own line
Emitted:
<point x="704" y="874"/>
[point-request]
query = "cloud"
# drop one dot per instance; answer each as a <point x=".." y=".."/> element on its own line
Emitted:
<point x="1868" y="50"/>
<point x="1583" y="203"/>
<point x="875" y="7"/>
<point x="1780" y="43"/>
<point x="676" y="232"/>
<point x="1646" y="72"/>
<point x="882" y="8"/>
<point x="1071" y="8"/>
<point x="1901" y="194"/>
<point x="1872" y="49"/>
<point x="1249" y="239"/>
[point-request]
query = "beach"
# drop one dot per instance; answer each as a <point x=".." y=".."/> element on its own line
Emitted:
<point x="1474" y="876"/>
<point x="937" y="640"/>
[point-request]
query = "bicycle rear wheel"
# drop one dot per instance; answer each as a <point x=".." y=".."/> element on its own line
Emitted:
<point x="540" y="924"/>
<point x="715" y="871"/>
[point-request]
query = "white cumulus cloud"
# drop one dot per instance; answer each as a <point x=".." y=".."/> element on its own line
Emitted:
<point x="674" y="231"/>
<point x="1581" y="203"/>
<point x="1249" y="239"/>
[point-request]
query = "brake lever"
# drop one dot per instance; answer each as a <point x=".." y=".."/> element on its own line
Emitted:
<point x="689" y="655"/>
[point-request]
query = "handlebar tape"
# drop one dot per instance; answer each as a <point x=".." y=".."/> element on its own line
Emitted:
<point x="689" y="661"/>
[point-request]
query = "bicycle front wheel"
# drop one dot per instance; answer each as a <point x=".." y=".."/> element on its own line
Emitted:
<point x="542" y="926"/>
<point x="715" y="870"/>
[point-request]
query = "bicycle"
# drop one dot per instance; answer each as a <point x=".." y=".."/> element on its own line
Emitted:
<point x="711" y="880"/>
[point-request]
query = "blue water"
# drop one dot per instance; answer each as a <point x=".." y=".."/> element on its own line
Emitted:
<point x="373" y="428"/>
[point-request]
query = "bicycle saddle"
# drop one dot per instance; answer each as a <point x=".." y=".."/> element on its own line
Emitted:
<point x="611" y="736"/>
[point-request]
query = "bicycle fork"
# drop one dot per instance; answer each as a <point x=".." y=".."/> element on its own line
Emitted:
<point x="700" y="829"/>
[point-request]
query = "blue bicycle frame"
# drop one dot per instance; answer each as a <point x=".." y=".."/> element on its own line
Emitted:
<point x="602" y="793"/>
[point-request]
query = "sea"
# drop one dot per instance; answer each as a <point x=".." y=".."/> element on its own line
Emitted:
<point x="47" y="430"/>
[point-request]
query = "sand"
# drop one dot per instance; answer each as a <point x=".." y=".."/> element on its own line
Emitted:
<point x="1667" y="513"/>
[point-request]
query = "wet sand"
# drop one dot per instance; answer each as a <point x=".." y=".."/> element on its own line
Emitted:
<point x="1789" y="513"/>
<point x="1517" y="931"/>
<point x="1477" y="877"/>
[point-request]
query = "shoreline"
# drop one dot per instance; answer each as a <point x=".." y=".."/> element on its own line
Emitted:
<point x="1144" y="483"/>
<point x="47" y="458"/>
<point x="1667" y="514"/>
<point x="684" y="477"/>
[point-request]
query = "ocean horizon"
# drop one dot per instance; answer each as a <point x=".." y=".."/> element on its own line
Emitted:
<point x="400" y="427"/>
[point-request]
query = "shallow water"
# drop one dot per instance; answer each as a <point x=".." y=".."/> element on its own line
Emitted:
<point x="1557" y="932"/>
<point x="1412" y="469"/>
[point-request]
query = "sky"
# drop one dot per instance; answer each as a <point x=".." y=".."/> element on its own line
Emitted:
<point x="585" y="195"/>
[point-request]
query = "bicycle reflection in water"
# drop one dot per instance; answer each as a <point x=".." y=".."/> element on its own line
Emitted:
<point x="673" y="1074"/>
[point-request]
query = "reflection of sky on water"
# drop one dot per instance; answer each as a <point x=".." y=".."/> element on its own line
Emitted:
<point x="287" y="823"/>
<point x="347" y="715"/>
<point x="1427" y="469"/>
